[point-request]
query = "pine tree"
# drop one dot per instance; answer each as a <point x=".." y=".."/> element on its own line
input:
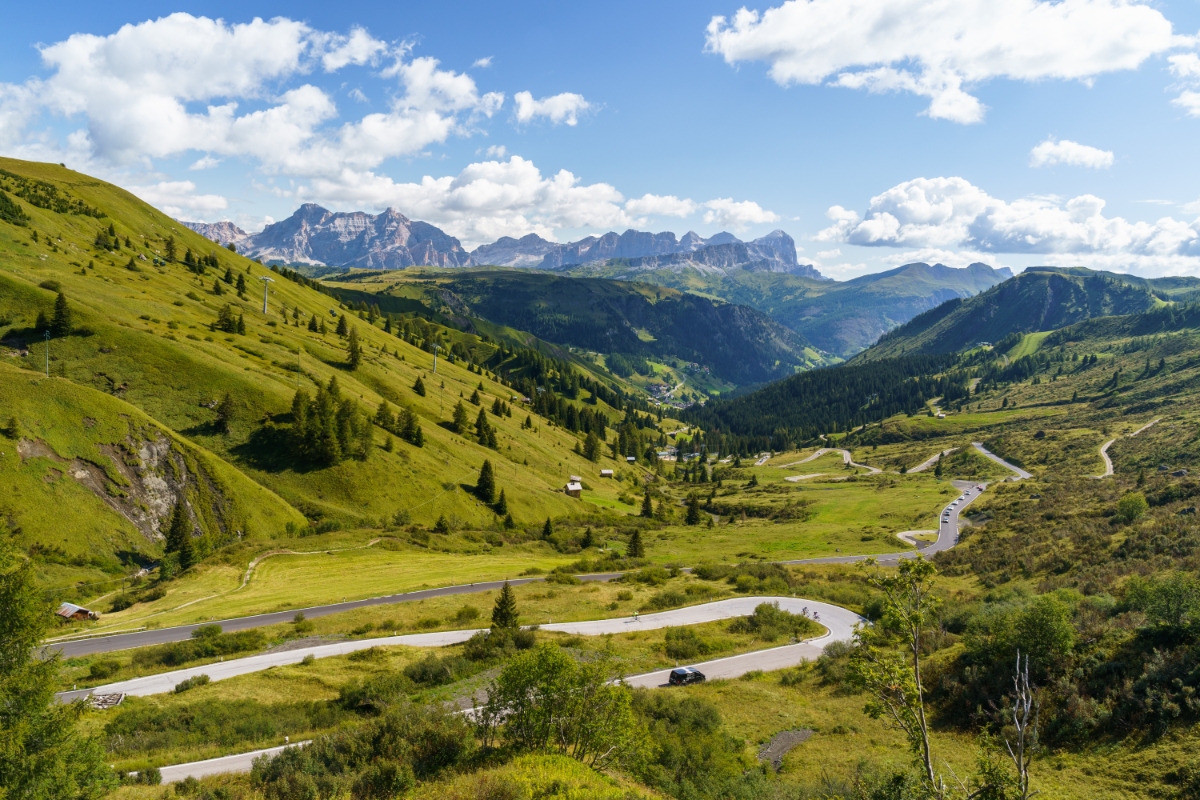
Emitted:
<point x="937" y="470"/>
<point x="353" y="350"/>
<point x="547" y="529"/>
<point x="419" y="387"/>
<point x="321" y="328"/>
<point x="504" y="614"/>
<point x="441" y="526"/>
<point x="647" y="505"/>
<point x="508" y="522"/>
<point x="635" y="549"/>
<point x="217" y="290"/>
<point x="179" y="530"/>
<point x="225" y="413"/>
<point x="501" y="506"/>
<point x="591" y="447"/>
<point x="485" y="487"/>
<point x="229" y="276"/>
<point x="693" y="511"/>
<point x="461" y="420"/>
<point x="384" y="417"/>
<point x="343" y="327"/>
<point x="241" y="284"/>
<point x="312" y="323"/>
<point x="241" y="325"/>
<point x="60" y="324"/>
<point x="474" y="398"/>
<point x="589" y="539"/>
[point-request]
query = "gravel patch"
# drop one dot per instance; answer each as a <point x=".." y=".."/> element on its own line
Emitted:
<point x="780" y="744"/>
<point x="300" y="644"/>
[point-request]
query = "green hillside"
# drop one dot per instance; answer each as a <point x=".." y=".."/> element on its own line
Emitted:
<point x="840" y="318"/>
<point x="1039" y="299"/>
<point x="735" y="342"/>
<point x="145" y="341"/>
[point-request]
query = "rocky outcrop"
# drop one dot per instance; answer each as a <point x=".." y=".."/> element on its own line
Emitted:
<point x="222" y="233"/>
<point x="314" y="235"/>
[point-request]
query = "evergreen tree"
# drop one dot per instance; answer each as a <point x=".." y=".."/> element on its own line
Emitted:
<point x="217" y="290"/>
<point x="41" y="323"/>
<point x="485" y="487"/>
<point x="547" y="529"/>
<point x="508" y="522"/>
<point x="229" y="276"/>
<point x="343" y="327"/>
<point x="461" y="420"/>
<point x="387" y="325"/>
<point x="501" y="506"/>
<point x="241" y="284"/>
<point x="591" y="447"/>
<point x="353" y="350"/>
<point x="635" y="549"/>
<point x="504" y="614"/>
<point x="187" y="551"/>
<point x="241" y="325"/>
<point x="169" y="246"/>
<point x="42" y="755"/>
<point x="589" y="539"/>
<point x="60" y="324"/>
<point x="475" y="398"/>
<point x="321" y="328"/>
<point x="12" y="430"/>
<point x="647" y="505"/>
<point x="312" y="323"/>
<point x="384" y="417"/>
<point x="937" y="470"/>
<point x="693" y="511"/>
<point x="484" y="430"/>
<point x="225" y="413"/>
<point x="419" y="387"/>
<point x="441" y="526"/>
<point x="179" y="529"/>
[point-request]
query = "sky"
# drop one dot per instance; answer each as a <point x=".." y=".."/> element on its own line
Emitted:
<point x="875" y="132"/>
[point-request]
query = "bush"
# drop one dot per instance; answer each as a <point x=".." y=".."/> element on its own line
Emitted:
<point x="374" y="695"/>
<point x="466" y="614"/>
<point x="624" y="595"/>
<point x="769" y="622"/>
<point x="685" y="643"/>
<point x="670" y="598"/>
<point x="435" y="671"/>
<point x="191" y="683"/>
<point x="209" y="644"/>
<point x="103" y="669"/>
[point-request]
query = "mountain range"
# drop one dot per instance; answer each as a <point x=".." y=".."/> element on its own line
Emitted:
<point x="316" y="236"/>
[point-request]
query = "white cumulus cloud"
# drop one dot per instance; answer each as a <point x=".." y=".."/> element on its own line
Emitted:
<point x="655" y="205"/>
<point x="940" y="49"/>
<point x="558" y="108"/>
<point x="179" y="199"/>
<point x="725" y="212"/>
<point x="1073" y="154"/>
<point x="483" y="63"/>
<point x="953" y="214"/>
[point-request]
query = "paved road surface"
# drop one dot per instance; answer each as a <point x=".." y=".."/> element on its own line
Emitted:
<point x="832" y="616"/>
<point x="126" y="641"/>
<point x="1108" y="467"/>
<point x="839" y="621"/>
<point x="845" y="459"/>
<point x="929" y="462"/>
<point x="242" y="762"/>
<point x="1021" y="474"/>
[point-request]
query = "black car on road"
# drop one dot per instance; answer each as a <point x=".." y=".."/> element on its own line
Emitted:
<point x="682" y="676"/>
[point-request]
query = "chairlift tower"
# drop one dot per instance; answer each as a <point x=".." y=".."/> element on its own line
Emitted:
<point x="267" y="281"/>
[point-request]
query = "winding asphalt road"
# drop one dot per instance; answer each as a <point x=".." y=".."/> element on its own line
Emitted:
<point x="840" y="622"/>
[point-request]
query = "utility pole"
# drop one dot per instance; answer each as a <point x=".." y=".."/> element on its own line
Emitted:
<point x="266" y="285"/>
<point x="47" y="354"/>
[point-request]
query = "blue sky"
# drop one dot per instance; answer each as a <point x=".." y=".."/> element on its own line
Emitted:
<point x="680" y="122"/>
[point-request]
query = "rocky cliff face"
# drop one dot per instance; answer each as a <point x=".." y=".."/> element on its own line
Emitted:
<point x="315" y="235"/>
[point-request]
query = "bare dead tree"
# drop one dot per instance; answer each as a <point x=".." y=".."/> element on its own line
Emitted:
<point x="1025" y="721"/>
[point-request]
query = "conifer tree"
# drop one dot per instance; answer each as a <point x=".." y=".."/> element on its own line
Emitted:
<point x="241" y="284"/>
<point x="589" y="539"/>
<point x="225" y="413"/>
<point x="384" y="417"/>
<point x="229" y="276"/>
<point x="217" y="290"/>
<point x="353" y="350"/>
<point x="647" y="505"/>
<point x="693" y="511"/>
<point x="419" y="387"/>
<point x="312" y="323"/>
<point x="442" y="525"/>
<point x="485" y="487"/>
<point x="504" y="614"/>
<point x="343" y="327"/>
<point x="12" y="430"/>
<point x="461" y="420"/>
<point x="547" y="529"/>
<point x="241" y="325"/>
<point x="321" y="328"/>
<point x="635" y="549"/>
<point x="501" y="506"/>
<point x="60" y="324"/>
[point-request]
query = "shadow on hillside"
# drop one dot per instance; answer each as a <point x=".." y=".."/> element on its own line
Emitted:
<point x="271" y="449"/>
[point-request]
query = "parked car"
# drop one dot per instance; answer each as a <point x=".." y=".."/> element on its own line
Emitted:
<point x="682" y="676"/>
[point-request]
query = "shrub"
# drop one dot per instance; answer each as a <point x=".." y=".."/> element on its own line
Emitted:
<point x="103" y="669"/>
<point x="435" y="671"/>
<point x="374" y="695"/>
<point x="667" y="599"/>
<point x="685" y="643"/>
<point x="769" y="622"/>
<point x="624" y="595"/>
<point x="466" y="614"/>
<point x="191" y="683"/>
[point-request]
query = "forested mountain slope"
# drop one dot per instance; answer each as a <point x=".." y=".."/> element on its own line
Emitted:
<point x="1039" y="299"/>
